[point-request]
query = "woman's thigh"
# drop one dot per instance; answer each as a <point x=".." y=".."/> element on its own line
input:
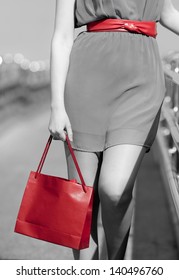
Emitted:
<point x="89" y="164"/>
<point x="119" y="168"/>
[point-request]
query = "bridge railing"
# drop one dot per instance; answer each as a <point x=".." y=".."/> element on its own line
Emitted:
<point x="166" y="147"/>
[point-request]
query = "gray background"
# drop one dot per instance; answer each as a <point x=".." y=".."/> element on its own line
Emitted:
<point x="26" y="26"/>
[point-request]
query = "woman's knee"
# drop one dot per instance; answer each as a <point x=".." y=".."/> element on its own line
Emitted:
<point x="111" y="190"/>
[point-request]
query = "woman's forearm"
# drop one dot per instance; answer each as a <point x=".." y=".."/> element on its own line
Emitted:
<point x="60" y="54"/>
<point x="170" y="17"/>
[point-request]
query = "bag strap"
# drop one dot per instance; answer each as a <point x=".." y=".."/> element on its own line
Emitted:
<point x="44" y="155"/>
<point x="75" y="162"/>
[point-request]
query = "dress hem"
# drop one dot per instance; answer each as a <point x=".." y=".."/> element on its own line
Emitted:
<point x="85" y="142"/>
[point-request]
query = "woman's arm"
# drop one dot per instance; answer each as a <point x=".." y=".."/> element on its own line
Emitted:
<point x="61" y="45"/>
<point x="170" y="17"/>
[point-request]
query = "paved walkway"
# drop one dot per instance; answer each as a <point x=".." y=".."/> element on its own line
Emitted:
<point x="153" y="231"/>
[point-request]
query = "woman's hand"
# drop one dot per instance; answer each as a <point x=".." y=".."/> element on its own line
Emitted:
<point x="59" y="125"/>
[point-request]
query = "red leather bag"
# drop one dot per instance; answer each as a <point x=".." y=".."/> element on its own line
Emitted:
<point x="55" y="209"/>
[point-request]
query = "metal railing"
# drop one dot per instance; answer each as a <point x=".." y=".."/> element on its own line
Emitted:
<point x="166" y="148"/>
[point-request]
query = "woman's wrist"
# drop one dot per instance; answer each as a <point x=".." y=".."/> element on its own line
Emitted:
<point x="57" y="107"/>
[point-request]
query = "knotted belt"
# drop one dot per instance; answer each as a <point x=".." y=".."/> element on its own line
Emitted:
<point x="123" y="25"/>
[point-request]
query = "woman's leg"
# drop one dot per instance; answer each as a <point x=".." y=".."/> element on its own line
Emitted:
<point x="117" y="177"/>
<point x="90" y="164"/>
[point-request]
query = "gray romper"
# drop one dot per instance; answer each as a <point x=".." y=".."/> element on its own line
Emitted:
<point x="115" y="83"/>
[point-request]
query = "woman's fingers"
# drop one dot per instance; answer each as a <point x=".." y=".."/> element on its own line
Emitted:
<point x="58" y="135"/>
<point x="60" y="125"/>
<point x="61" y="134"/>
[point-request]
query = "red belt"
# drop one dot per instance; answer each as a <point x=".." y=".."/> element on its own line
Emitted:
<point x="148" y="28"/>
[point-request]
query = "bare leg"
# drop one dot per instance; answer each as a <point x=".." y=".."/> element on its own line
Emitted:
<point x="118" y="173"/>
<point x="90" y="164"/>
<point x="102" y="248"/>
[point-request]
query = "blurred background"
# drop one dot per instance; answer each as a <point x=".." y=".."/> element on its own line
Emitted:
<point x="26" y="28"/>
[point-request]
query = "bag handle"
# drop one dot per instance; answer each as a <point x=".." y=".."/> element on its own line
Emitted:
<point x="44" y="155"/>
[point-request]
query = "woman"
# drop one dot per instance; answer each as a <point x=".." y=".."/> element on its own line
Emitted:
<point x="107" y="91"/>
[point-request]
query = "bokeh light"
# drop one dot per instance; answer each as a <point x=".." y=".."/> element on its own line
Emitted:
<point x="18" y="58"/>
<point x="8" y="58"/>
<point x="16" y="69"/>
<point x="1" y="60"/>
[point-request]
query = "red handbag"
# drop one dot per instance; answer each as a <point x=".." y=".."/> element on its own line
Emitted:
<point x="55" y="209"/>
